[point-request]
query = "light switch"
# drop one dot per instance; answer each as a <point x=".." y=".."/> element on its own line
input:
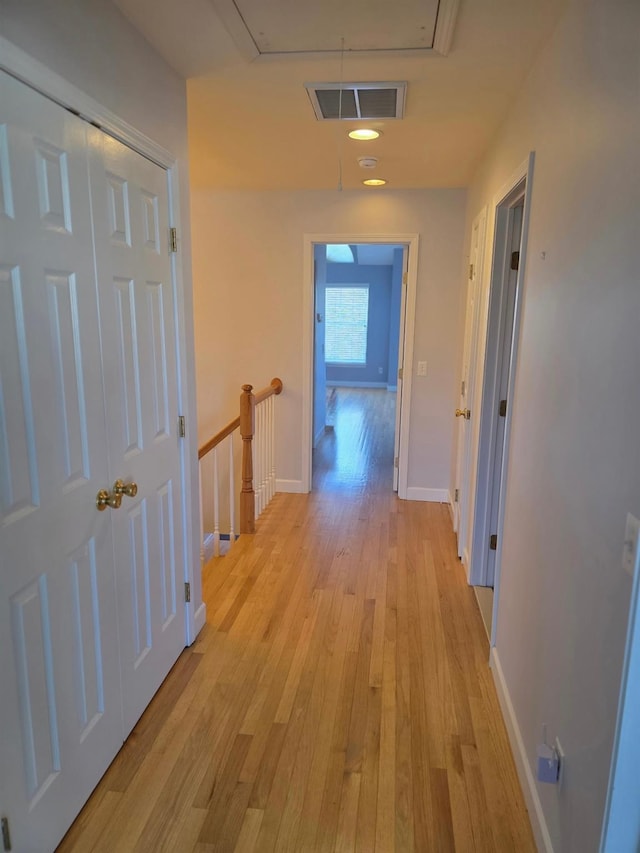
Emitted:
<point x="630" y="552"/>
<point x="422" y="368"/>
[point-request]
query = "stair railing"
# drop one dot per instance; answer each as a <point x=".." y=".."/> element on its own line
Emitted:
<point x="256" y="425"/>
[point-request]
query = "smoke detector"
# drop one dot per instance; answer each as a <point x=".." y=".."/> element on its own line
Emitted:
<point x="367" y="162"/>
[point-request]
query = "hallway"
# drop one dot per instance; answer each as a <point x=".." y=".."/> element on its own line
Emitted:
<point x="339" y="696"/>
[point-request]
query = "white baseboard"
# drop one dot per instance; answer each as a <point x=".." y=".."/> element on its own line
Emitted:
<point x="293" y="487"/>
<point x="338" y="383"/>
<point x="415" y="493"/>
<point x="199" y="618"/>
<point x="525" y="774"/>
<point x="452" y="512"/>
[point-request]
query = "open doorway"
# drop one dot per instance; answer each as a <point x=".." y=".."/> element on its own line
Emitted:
<point x="501" y="321"/>
<point x="358" y="338"/>
<point x="359" y="319"/>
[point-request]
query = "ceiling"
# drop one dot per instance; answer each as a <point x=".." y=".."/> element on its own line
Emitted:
<point x="251" y="122"/>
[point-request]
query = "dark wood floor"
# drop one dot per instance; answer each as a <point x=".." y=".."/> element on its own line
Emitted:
<point x="339" y="697"/>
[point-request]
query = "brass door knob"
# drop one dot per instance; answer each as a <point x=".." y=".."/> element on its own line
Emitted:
<point x="106" y="499"/>
<point x="128" y="489"/>
<point x="463" y="413"/>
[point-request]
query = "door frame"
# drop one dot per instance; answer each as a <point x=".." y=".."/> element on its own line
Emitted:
<point x="516" y="188"/>
<point x="309" y="241"/>
<point x="47" y="82"/>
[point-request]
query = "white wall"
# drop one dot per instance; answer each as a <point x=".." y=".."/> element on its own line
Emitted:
<point x="92" y="45"/>
<point x="248" y="280"/>
<point x="575" y="455"/>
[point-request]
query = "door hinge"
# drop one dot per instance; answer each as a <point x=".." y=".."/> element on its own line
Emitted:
<point x="182" y="426"/>
<point x="396" y="462"/>
<point x="502" y="411"/>
<point x="400" y="373"/>
<point x="456" y="496"/>
<point x="463" y="387"/>
<point x="470" y="270"/>
<point x="173" y="240"/>
<point x="187" y="592"/>
<point x="6" y="837"/>
<point x="493" y="542"/>
<point x="404" y="278"/>
<point x="515" y="260"/>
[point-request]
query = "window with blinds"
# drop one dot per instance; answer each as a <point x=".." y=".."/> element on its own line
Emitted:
<point x="346" y="318"/>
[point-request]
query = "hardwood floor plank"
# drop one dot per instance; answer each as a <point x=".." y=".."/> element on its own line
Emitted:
<point x="339" y="697"/>
<point x="348" y="818"/>
<point x="249" y="831"/>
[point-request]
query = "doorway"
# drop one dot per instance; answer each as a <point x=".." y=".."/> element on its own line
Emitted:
<point x="500" y="347"/>
<point x="359" y="311"/>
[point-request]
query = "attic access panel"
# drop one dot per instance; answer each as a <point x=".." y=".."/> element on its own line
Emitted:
<point x="307" y="26"/>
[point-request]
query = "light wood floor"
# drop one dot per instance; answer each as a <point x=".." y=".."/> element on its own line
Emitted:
<point x="339" y="697"/>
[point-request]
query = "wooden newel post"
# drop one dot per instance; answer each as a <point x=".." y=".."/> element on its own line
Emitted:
<point x="247" y="495"/>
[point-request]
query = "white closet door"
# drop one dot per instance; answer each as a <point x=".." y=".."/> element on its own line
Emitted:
<point x="60" y="702"/>
<point x="137" y="314"/>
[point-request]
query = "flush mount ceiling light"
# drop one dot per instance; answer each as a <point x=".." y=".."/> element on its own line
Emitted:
<point x="364" y="133"/>
<point x="374" y="182"/>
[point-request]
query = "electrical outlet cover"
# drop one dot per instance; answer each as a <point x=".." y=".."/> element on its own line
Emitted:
<point x="548" y="764"/>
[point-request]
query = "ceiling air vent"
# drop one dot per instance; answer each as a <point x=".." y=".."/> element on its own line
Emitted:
<point x="359" y="100"/>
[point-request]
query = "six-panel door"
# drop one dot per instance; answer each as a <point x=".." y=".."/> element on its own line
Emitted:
<point x="60" y="711"/>
<point x="91" y="617"/>
<point x="130" y="208"/>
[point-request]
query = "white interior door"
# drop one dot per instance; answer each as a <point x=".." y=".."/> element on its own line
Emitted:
<point x="92" y="612"/>
<point x="60" y="707"/>
<point x="403" y="313"/>
<point x="467" y="426"/>
<point x="131" y="224"/>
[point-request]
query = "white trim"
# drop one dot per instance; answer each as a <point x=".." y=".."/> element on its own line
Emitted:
<point x="22" y="65"/>
<point x="33" y="73"/>
<point x="309" y="240"/>
<point x="616" y="785"/>
<point x="293" y="487"/>
<point x="525" y="774"/>
<point x="447" y="16"/>
<point x="392" y="387"/>
<point x="417" y="493"/>
<point x="235" y="25"/>
<point x="199" y="620"/>
<point x="339" y="383"/>
<point x="524" y="173"/>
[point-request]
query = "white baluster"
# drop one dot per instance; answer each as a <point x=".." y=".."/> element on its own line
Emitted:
<point x="263" y="467"/>
<point x="216" y="506"/>
<point x="272" y="448"/>
<point x="258" y="458"/>
<point x="265" y="455"/>
<point x="200" y="466"/>
<point x="232" y="496"/>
